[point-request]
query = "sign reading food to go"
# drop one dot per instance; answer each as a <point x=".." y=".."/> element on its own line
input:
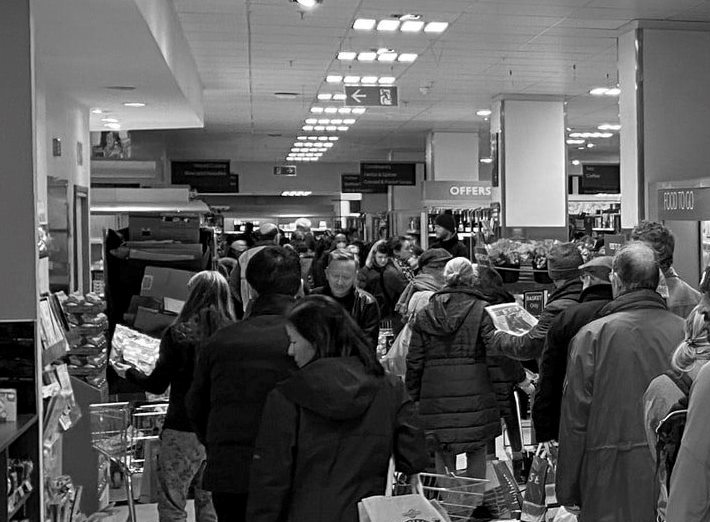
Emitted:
<point x="684" y="204"/>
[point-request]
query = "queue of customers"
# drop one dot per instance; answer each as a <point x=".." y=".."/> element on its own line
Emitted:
<point x="286" y="414"/>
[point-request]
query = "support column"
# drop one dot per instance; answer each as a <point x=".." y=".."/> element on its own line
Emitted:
<point x="452" y="156"/>
<point x="18" y="215"/>
<point x="664" y="76"/>
<point x="532" y="166"/>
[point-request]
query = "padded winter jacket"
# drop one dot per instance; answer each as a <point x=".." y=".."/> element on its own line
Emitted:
<point x="386" y="284"/>
<point x="447" y="371"/>
<point x="548" y="397"/>
<point x="453" y="246"/>
<point x="605" y="464"/>
<point x="325" y="441"/>
<point x="364" y="312"/>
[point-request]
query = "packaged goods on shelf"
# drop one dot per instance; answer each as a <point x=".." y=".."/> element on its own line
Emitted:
<point x="8" y="405"/>
<point x="19" y="482"/>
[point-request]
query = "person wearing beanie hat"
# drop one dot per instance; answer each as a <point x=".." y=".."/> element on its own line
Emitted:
<point x="446" y="237"/>
<point x="596" y="294"/>
<point x="563" y="266"/>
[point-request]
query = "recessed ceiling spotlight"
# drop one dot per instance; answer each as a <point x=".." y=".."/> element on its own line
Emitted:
<point x="436" y="27"/>
<point x="486" y="160"/>
<point x="575" y="162"/>
<point x="412" y="26"/>
<point x="97" y="111"/>
<point x="308" y="4"/>
<point x="325" y="96"/>
<point x="364" y="24"/>
<point x="351" y="79"/>
<point x="581" y="148"/>
<point x="334" y="78"/>
<point x="575" y="142"/>
<point x="286" y="95"/>
<point x="590" y="145"/>
<point x="109" y="120"/>
<point x="367" y="56"/>
<point x="388" y="25"/>
<point x="484" y="113"/>
<point x="134" y="104"/>
<point x="386" y="80"/>
<point x="347" y="56"/>
<point x="407" y="57"/>
<point x="609" y="127"/>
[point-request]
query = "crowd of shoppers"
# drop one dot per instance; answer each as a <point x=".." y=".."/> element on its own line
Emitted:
<point x="296" y="419"/>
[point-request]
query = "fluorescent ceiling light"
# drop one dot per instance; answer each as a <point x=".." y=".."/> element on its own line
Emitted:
<point x="486" y="160"/>
<point x="436" y="27"/>
<point x="367" y="56"/>
<point x="312" y="138"/>
<point x="484" y="113"/>
<point x="338" y="122"/>
<point x="307" y="127"/>
<point x="388" y="25"/>
<point x="333" y="138"/>
<point x="295" y="149"/>
<point x="328" y="145"/>
<point x="325" y="96"/>
<point x="598" y="91"/>
<point x="603" y="126"/>
<point x="387" y="57"/>
<point x="364" y="24"/>
<point x="590" y="145"/>
<point x="109" y="120"/>
<point x="369" y="79"/>
<point x="307" y="3"/>
<point x="302" y="138"/>
<point x="311" y="121"/>
<point x="412" y="26"/>
<point x="575" y="142"/>
<point x="333" y="78"/>
<point x="324" y="121"/>
<point x="345" y="110"/>
<point x="347" y="56"/>
<point x="351" y="79"/>
<point x="299" y="144"/>
<point x="97" y="111"/>
<point x="343" y="128"/>
<point x="331" y="128"/>
<point x="605" y="91"/>
<point x="319" y="128"/>
<point x="324" y="138"/>
<point x="331" y="110"/>
<point x="386" y="80"/>
<point x="348" y="121"/>
<point x="134" y="104"/>
<point x="407" y="57"/>
<point x="358" y="110"/>
<point x="316" y="110"/>
<point x="113" y="126"/>
<point x="614" y="91"/>
<point x="339" y="97"/>
<point x="318" y="154"/>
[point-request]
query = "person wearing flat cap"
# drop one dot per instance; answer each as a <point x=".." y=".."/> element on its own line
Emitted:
<point x="446" y="237"/>
<point x="563" y="263"/>
<point x="596" y="293"/>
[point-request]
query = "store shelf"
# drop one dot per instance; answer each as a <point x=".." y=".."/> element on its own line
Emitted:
<point x="54" y="353"/>
<point x="595" y="229"/>
<point x="20" y="505"/>
<point x="11" y="431"/>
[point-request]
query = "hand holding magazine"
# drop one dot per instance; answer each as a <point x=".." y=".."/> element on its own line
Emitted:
<point x="511" y="318"/>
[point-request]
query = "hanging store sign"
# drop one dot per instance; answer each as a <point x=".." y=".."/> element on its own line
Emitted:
<point x="468" y="191"/>
<point x="371" y="96"/>
<point x="388" y="173"/>
<point x="204" y="176"/>
<point x="352" y="184"/>
<point x="684" y="204"/>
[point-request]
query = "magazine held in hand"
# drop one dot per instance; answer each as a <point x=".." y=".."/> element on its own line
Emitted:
<point x="511" y="318"/>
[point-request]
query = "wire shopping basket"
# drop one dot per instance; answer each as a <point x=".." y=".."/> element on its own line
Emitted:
<point x="121" y="432"/>
<point x="458" y="496"/>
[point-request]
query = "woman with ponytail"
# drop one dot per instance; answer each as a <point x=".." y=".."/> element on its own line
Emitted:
<point x="669" y="392"/>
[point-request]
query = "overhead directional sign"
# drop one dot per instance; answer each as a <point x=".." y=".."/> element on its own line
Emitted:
<point x="371" y="96"/>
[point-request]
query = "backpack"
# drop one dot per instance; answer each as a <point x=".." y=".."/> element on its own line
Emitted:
<point x="669" y="431"/>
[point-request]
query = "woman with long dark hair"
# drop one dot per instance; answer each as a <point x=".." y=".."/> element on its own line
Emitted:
<point x="328" y="432"/>
<point x="208" y="308"/>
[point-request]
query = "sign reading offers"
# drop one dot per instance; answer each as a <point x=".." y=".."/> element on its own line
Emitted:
<point x="469" y="191"/>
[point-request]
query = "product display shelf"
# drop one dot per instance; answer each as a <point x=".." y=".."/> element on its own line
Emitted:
<point x="19" y="440"/>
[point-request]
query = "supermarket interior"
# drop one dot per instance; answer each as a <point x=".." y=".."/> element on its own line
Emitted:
<point x="147" y="140"/>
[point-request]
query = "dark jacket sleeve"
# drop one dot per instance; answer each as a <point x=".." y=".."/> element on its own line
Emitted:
<point x="271" y="470"/>
<point x="410" y="454"/>
<point x="197" y="400"/>
<point x="415" y="364"/>
<point x="460" y="250"/>
<point x="165" y="367"/>
<point x="371" y="322"/>
<point x="576" y="405"/>
<point x="528" y="346"/>
<point x="548" y="397"/>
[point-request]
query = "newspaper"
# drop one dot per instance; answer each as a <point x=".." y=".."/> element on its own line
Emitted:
<point x="511" y="318"/>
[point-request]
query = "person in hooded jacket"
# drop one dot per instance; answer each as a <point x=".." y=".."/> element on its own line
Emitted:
<point x="605" y="465"/>
<point x="328" y="432"/>
<point x="447" y="371"/>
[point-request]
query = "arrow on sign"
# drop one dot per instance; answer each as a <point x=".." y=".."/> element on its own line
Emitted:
<point x="358" y="97"/>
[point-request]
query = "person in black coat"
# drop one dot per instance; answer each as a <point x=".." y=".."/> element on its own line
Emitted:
<point x="329" y="430"/>
<point x="595" y="295"/>
<point x="235" y="372"/>
<point x="446" y="237"/>
<point x="182" y="456"/>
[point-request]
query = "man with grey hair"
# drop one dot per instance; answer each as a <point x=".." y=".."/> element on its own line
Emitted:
<point x="605" y="466"/>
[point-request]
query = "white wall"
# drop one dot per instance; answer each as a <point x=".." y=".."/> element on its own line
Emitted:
<point x="535" y="168"/>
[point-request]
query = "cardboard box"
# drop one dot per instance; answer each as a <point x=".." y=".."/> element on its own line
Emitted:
<point x="152" y="322"/>
<point x="8" y="405"/>
<point x="160" y="282"/>
<point x="162" y="226"/>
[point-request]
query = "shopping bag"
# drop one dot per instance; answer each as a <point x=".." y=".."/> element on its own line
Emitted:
<point x="534" y="499"/>
<point x="395" y="360"/>
<point x="501" y="491"/>
<point x="405" y="508"/>
<point x="564" y="516"/>
<point x="550" y="493"/>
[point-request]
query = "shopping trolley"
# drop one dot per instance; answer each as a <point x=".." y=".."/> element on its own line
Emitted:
<point x="120" y="432"/>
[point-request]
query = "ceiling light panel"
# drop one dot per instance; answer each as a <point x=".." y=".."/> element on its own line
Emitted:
<point x="347" y="56"/>
<point x="412" y="26"/>
<point x="351" y="79"/>
<point x="388" y="25"/>
<point x="334" y="78"/>
<point x="367" y="56"/>
<point x="407" y="57"/>
<point x="387" y="57"/>
<point x="436" y="27"/>
<point x="325" y="96"/>
<point x="364" y="24"/>
<point x="339" y="97"/>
